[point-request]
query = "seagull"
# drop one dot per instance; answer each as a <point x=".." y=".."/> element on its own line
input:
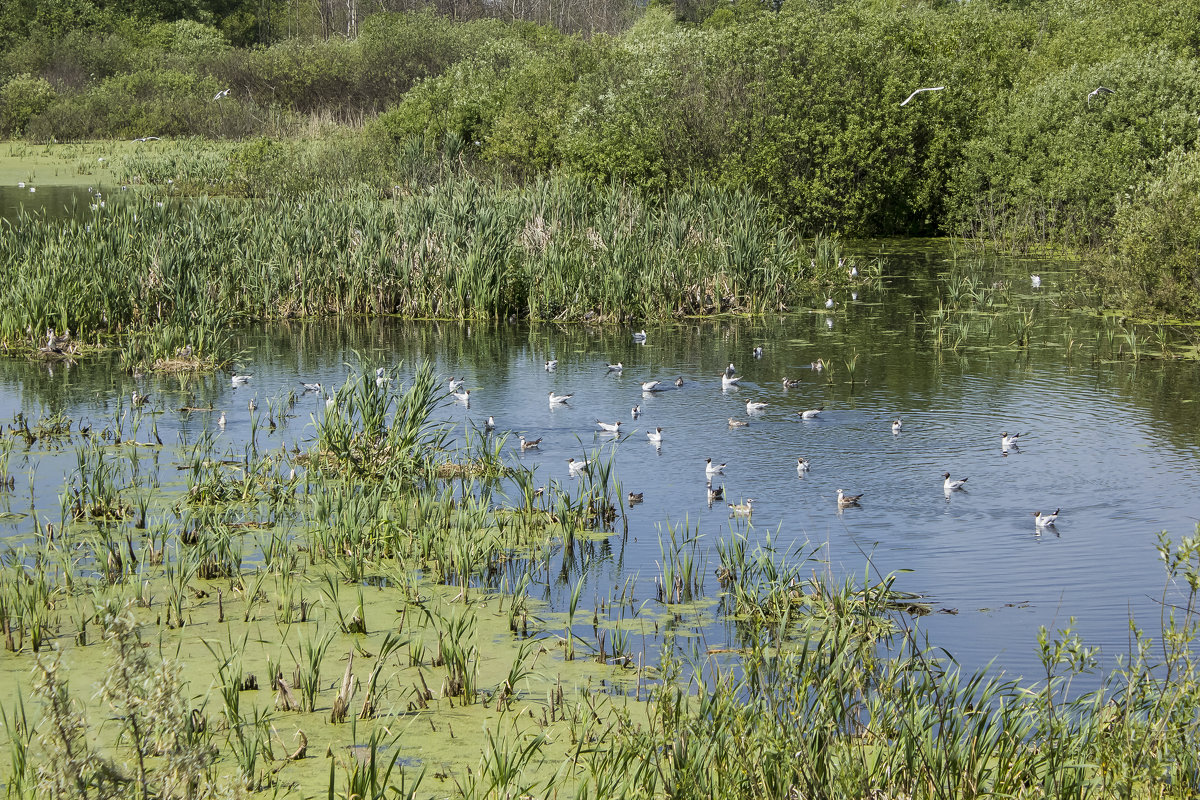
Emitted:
<point x="758" y="352"/>
<point x="829" y="323"/>
<point x="617" y="367"/>
<point x="529" y="445"/>
<point x="742" y="509"/>
<point x="728" y="379"/>
<point x="715" y="494"/>
<point x="752" y="406"/>
<point x="220" y="94"/>
<point x="454" y="384"/>
<point x="252" y="405"/>
<point x="897" y="424"/>
<point x="801" y="465"/>
<point x="463" y="397"/>
<point x="918" y="91"/>
<point x="650" y="386"/>
<point x="790" y="383"/>
<point x="240" y="380"/>
<point x="559" y="398"/>
<point x="811" y="413"/>
<point x="552" y="365"/>
<point x="640" y="337"/>
<point x="311" y="387"/>
<point x="950" y="485"/>
<point x="574" y="466"/>
<point x="818" y="365"/>
<point x="713" y="469"/>
<point x="1035" y="281"/>
<point x="730" y="370"/>
<point x="221" y="420"/>
<point x="611" y="427"/>
<point x="381" y="379"/>
<point x="1099" y="90"/>
<point x="1007" y="441"/>
<point x="634" y="499"/>
<point x="1043" y="520"/>
<point x="679" y="382"/>
<point x="655" y="436"/>
<point x="853" y="272"/>
<point x="737" y="423"/>
<point x="854" y="295"/>
<point x="490" y="425"/>
<point x="847" y="500"/>
<point x="635" y="412"/>
<point x="829" y="302"/>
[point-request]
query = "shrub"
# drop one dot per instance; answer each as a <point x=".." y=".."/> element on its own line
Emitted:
<point x="22" y="99"/>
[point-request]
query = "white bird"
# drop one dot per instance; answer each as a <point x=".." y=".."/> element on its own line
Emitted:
<point x="574" y="466"/>
<point x="742" y="509"/>
<point x="650" y="386"/>
<point x="1099" y="90"/>
<point x="463" y="397"/>
<point x="454" y="384"/>
<point x="728" y="380"/>
<point x="555" y="399"/>
<point x="757" y="352"/>
<point x="818" y="365"/>
<point x="381" y="378"/>
<point x="611" y="427"/>
<point x="311" y="387"/>
<point x="552" y="365"/>
<point x="854" y="295"/>
<point x="951" y="485"/>
<point x="635" y="412"/>
<point x="713" y="469"/>
<point x="490" y="425"/>
<point x="730" y="370"/>
<point x="679" y="382"/>
<point x="1035" y="281"/>
<point x="829" y="323"/>
<point x="811" y="413"/>
<point x="829" y="302"/>
<point x="918" y="91"/>
<point x="617" y="367"/>
<point x="655" y="435"/>
<point x="897" y="424"/>
<point x="240" y="380"/>
<point x="752" y="406"/>
<point x="853" y="272"/>
<point x="1007" y="441"/>
<point x="790" y="383"/>
<point x="847" y="500"/>
<point x="220" y="94"/>
<point x="221" y="419"/>
<point x="801" y="465"/>
<point x="1042" y="520"/>
<point x="529" y="445"/>
<point x="640" y="337"/>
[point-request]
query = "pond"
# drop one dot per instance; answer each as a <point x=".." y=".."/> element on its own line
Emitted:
<point x="959" y="347"/>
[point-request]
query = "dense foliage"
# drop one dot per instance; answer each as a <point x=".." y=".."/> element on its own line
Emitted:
<point x="798" y="101"/>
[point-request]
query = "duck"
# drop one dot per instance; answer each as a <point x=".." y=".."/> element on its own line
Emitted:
<point x="610" y="427"/>
<point x="528" y="444"/>
<point x="713" y="469"/>
<point x="575" y="467"/>
<point x="640" y="337"/>
<point x="463" y="397"/>
<point x="728" y="380"/>
<point x="801" y="465"/>
<point x="635" y="412"/>
<point x="1007" y="440"/>
<point x="811" y="413"/>
<point x="636" y="497"/>
<point x="552" y="365"/>
<point x="790" y="383"/>
<point x="847" y="500"/>
<point x="655" y="435"/>
<point x="754" y="407"/>
<point x="650" y="386"/>
<point x="757" y="352"/>
<point x="742" y="509"/>
<point x="737" y="423"/>
<point x="1042" y="520"/>
<point x="617" y="367"/>
<point x="240" y="380"/>
<point x="950" y="485"/>
<point x="897" y="424"/>
<point x="555" y="399"/>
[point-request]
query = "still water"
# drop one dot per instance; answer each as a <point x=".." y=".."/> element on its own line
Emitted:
<point x="1113" y="442"/>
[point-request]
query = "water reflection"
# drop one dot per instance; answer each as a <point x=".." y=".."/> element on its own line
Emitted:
<point x="1114" y="443"/>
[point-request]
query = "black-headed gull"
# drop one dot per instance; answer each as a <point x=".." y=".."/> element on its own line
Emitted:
<point x="811" y="413"/>
<point x="555" y="399"/>
<point x="801" y="465"/>
<point x="610" y="427"/>
<point x="753" y="406"/>
<point x="951" y="485"/>
<point x="655" y="436"/>
<point x="528" y="444"/>
<point x="742" y="509"/>
<point x="650" y="386"/>
<point x="897" y="424"/>
<point x="847" y="500"/>
<point x="713" y="469"/>
<point x="240" y="380"/>
<point x="1042" y="520"/>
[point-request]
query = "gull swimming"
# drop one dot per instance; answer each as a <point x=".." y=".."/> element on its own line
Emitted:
<point x="650" y="386"/>
<point x="252" y="405"/>
<point x="559" y="398"/>
<point x="818" y="365"/>
<point x="737" y="423"/>
<point x="655" y="436"/>
<point x="610" y="427"/>
<point x="240" y="380"/>
<point x="679" y="382"/>
<point x="311" y="387"/>
<point x="730" y="370"/>
<point x="552" y="365"/>
<point x="715" y="494"/>
<point x="221" y="419"/>
<point x="918" y="91"/>
<point x="1007" y="441"/>
<point x="634" y="499"/>
<point x="1035" y="281"/>
<point x="490" y="425"/>
<point x="752" y="406"/>
<point x="635" y="412"/>
<point x="381" y="378"/>
<point x="757" y="352"/>
<point x="811" y="413"/>
<point x="463" y="397"/>
<point x="1042" y="520"/>
<point x="951" y="485"/>
<point x="576" y="467"/>
<point x="742" y="509"/>
<point x="454" y="384"/>
<point x="617" y="367"/>
<point x="847" y="500"/>
<point x="529" y="445"/>
<point x="640" y="337"/>
<point x="713" y="469"/>
<point x="897" y="424"/>
<point x="728" y="379"/>
<point x="801" y="465"/>
<point x="790" y="383"/>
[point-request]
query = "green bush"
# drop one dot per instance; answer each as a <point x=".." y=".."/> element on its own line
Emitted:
<point x="22" y="99"/>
